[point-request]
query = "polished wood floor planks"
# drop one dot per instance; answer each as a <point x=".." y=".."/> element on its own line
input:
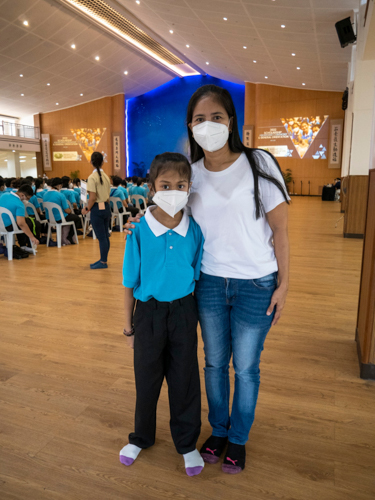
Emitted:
<point x="67" y="388"/>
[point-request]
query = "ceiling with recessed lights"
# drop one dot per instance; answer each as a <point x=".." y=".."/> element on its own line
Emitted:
<point x="66" y="59"/>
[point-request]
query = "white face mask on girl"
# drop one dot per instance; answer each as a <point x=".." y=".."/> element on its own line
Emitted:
<point x="71" y="185"/>
<point x="211" y="136"/>
<point x="171" y="201"/>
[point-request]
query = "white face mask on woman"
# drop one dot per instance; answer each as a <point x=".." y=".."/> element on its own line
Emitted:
<point x="71" y="185"/>
<point x="211" y="136"/>
<point x="171" y="202"/>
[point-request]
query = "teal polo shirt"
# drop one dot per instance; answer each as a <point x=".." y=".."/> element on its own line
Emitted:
<point x="36" y="204"/>
<point x="162" y="263"/>
<point x="125" y="191"/>
<point x="69" y="195"/>
<point x="116" y="192"/>
<point x="140" y="191"/>
<point x="55" y="196"/>
<point x="12" y="202"/>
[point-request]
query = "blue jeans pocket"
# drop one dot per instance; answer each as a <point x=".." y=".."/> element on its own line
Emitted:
<point x="266" y="282"/>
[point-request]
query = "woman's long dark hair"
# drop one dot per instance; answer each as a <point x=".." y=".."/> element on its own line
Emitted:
<point x="97" y="161"/>
<point x="255" y="156"/>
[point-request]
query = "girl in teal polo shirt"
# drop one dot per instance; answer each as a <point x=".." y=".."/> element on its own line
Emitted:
<point x="161" y="264"/>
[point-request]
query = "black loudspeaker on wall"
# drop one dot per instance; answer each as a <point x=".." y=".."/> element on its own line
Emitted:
<point x="345" y="99"/>
<point x="345" y="32"/>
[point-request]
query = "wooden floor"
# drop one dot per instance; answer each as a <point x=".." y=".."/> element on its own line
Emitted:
<point x="67" y="389"/>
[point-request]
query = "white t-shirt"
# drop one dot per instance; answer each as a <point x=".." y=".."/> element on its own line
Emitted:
<point x="237" y="245"/>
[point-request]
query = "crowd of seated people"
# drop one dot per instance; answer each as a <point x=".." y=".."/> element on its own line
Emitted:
<point x="66" y="193"/>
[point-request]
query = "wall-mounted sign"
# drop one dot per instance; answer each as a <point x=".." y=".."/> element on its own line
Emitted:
<point x="335" y="143"/>
<point x="248" y="135"/>
<point x="297" y="137"/>
<point x="66" y="156"/>
<point x="116" y="152"/>
<point x="46" y="152"/>
<point x="20" y="145"/>
<point x="88" y="139"/>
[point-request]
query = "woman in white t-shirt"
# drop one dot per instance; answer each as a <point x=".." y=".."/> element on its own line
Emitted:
<point x="239" y="199"/>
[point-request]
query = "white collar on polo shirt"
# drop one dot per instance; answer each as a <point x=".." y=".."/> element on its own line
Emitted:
<point x="15" y="194"/>
<point x="158" y="229"/>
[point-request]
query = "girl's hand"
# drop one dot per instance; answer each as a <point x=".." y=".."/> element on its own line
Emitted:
<point x="130" y="341"/>
<point x="278" y="300"/>
<point x="129" y="224"/>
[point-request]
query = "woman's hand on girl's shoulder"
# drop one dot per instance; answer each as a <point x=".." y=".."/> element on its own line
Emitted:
<point x="129" y="225"/>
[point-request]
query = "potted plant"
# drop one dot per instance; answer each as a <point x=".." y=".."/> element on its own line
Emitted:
<point x="288" y="178"/>
<point x="74" y="175"/>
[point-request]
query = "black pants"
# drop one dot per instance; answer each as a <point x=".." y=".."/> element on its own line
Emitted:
<point x="165" y="345"/>
<point x="100" y="220"/>
<point x="34" y="226"/>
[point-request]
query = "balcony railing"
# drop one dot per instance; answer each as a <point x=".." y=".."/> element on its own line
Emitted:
<point x="19" y="130"/>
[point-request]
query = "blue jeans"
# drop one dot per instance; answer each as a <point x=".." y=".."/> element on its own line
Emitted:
<point x="232" y="315"/>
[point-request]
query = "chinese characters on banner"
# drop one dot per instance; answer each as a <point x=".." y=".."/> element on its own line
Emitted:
<point x="116" y="153"/>
<point x="46" y="152"/>
<point x="335" y="143"/>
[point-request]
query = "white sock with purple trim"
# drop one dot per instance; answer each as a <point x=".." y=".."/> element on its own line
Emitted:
<point x="193" y="463"/>
<point x="129" y="453"/>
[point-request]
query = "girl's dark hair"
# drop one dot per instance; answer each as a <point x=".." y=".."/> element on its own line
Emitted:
<point x="256" y="157"/>
<point x="26" y="189"/>
<point x="38" y="183"/>
<point x="97" y="161"/>
<point x="169" y="161"/>
<point x="76" y="181"/>
<point x="116" y="180"/>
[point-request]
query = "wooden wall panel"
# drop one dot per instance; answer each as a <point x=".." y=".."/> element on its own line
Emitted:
<point x="108" y="113"/>
<point x="273" y="102"/>
<point x="366" y="307"/>
<point x="356" y="206"/>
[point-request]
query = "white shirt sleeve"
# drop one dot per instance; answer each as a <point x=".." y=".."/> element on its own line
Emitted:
<point x="270" y="194"/>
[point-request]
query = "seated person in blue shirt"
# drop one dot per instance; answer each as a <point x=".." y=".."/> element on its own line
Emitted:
<point x="123" y="186"/>
<point x="70" y="194"/>
<point x="54" y="196"/>
<point x="9" y="185"/>
<point x="161" y="264"/>
<point x="2" y="186"/>
<point x="32" y="180"/>
<point x="39" y="189"/>
<point x="139" y="191"/>
<point x="77" y="186"/>
<point x="14" y="203"/>
<point x="118" y="192"/>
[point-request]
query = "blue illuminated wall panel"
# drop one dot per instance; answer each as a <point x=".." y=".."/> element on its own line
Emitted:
<point x="156" y="121"/>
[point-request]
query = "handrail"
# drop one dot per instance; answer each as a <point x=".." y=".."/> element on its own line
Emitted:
<point x="19" y="130"/>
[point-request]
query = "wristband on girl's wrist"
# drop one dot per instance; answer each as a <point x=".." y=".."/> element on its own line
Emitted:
<point x="129" y="333"/>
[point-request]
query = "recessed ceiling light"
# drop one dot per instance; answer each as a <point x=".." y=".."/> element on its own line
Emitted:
<point x="207" y="63"/>
<point x="73" y="46"/>
<point x="34" y="157"/>
<point x="266" y="77"/>
<point x="48" y="84"/>
<point x="81" y="95"/>
<point x="304" y="84"/>
<point x="171" y="32"/>
<point x="187" y="46"/>
<point x="283" y="25"/>
<point x="244" y="47"/>
<point x="22" y="156"/>
<point x="298" y="67"/>
<point x="225" y="18"/>
<point x="13" y="151"/>
<point x="25" y="23"/>
<point x="5" y="160"/>
<point x="22" y="95"/>
<point x="293" y="54"/>
<point x="57" y="104"/>
<point x="22" y="161"/>
<point x="137" y="1"/>
<point x="126" y="72"/>
<point x="97" y="58"/>
<point x="254" y="61"/>
<point x="21" y="76"/>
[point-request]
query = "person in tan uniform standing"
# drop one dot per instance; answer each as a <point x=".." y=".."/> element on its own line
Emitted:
<point x="98" y="187"/>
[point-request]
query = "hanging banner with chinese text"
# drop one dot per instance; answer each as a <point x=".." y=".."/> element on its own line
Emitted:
<point x="46" y="152"/>
<point x="335" y="143"/>
<point x="116" y="153"/>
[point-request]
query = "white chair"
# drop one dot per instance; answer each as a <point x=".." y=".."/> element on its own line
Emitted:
<point x="138" y="199"/>
<point x="40" y="201"/>
<point x="9" y="235"/>
<point x="113" y="200"/>
<point x="86" y="224"/>
<point x="36" y="215"/>
<point x="52" y="222"/>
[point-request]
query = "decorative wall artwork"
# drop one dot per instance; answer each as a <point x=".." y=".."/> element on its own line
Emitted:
<point x="88" y="139"/>
<point x="297" y="137"/>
